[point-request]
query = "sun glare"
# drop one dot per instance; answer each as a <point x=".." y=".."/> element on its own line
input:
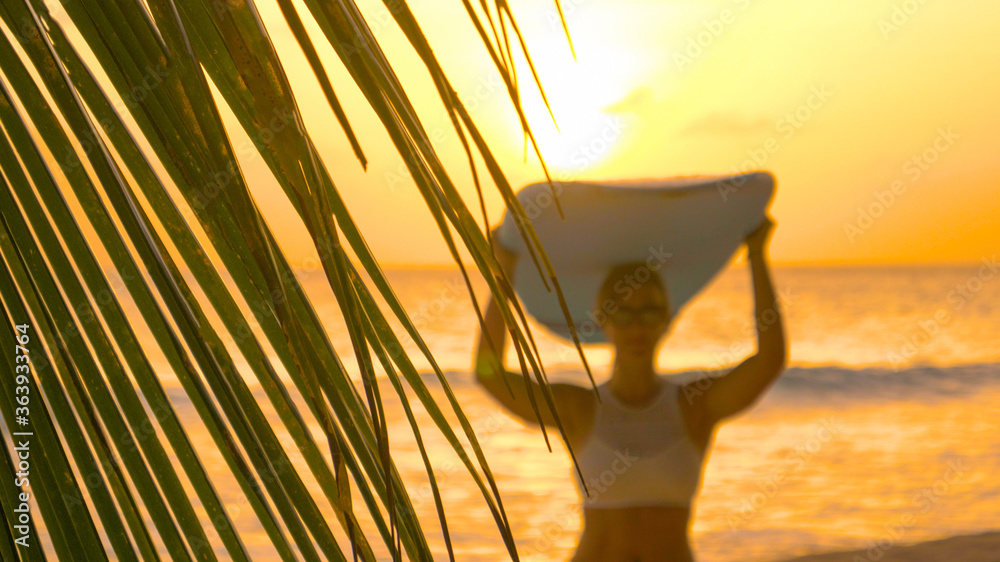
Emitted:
<point x="585" y="95"/>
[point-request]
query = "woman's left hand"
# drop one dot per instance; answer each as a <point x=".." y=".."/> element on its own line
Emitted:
<point x="758" y="239"/>
<point x="505" y="257"/>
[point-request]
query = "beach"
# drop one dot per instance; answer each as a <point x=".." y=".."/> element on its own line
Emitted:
<point x="982" y="547"/>
<point x="885" y="428"/>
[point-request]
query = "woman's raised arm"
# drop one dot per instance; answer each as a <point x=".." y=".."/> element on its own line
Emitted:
<point x="509" y="388"/>
<point x="736" y="391"/>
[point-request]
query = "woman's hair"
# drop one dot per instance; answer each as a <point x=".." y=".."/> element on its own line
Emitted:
<point x="624" y="277"/>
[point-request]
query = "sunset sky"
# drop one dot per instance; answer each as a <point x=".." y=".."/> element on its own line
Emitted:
<point x="844" y="102"/>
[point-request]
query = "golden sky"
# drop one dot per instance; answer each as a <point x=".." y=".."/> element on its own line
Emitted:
<point x="878" y="118"/>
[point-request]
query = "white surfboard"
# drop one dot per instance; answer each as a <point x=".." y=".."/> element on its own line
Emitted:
<point x="686" y="228"/>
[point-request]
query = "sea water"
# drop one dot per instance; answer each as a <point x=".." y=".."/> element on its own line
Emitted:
<point x="884" y="430"/>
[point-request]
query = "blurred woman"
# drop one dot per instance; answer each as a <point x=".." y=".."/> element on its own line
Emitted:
<point x="642" y="446"/>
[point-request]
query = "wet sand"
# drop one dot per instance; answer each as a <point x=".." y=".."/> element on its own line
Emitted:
<point x="984" y="547"/>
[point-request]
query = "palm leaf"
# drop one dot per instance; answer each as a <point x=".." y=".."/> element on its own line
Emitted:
<point x="115" y="459"/>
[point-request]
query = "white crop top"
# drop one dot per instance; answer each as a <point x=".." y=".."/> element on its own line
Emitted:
<point x="639" y="456"/>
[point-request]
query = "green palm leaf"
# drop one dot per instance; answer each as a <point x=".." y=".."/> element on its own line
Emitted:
<point x="113" y="466"/>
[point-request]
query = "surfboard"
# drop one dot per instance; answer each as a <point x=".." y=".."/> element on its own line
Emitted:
<point x="686" y="228"/>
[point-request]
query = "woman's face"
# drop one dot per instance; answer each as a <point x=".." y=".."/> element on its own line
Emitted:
<point x="636" y="324"/>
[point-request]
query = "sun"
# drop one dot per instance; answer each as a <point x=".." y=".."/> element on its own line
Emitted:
<point x="585" y="98"/>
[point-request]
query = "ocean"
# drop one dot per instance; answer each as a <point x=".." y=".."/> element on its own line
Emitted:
<point x="884" y="430"/>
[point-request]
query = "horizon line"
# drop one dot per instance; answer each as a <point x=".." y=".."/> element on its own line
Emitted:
<point x="739" y="260"/>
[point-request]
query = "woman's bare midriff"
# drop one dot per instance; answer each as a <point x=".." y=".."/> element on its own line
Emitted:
<point x="641" y="533"/>
<point x="634" y="534"/>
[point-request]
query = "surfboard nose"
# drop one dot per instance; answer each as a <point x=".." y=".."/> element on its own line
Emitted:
<point x="761" y="178"/>
<point x="757" y="180"/>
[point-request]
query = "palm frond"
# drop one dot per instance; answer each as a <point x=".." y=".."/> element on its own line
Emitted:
<point x="114" y="462"/>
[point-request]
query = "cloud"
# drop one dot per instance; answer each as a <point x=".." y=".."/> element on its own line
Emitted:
<point x="634" y="102"/>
